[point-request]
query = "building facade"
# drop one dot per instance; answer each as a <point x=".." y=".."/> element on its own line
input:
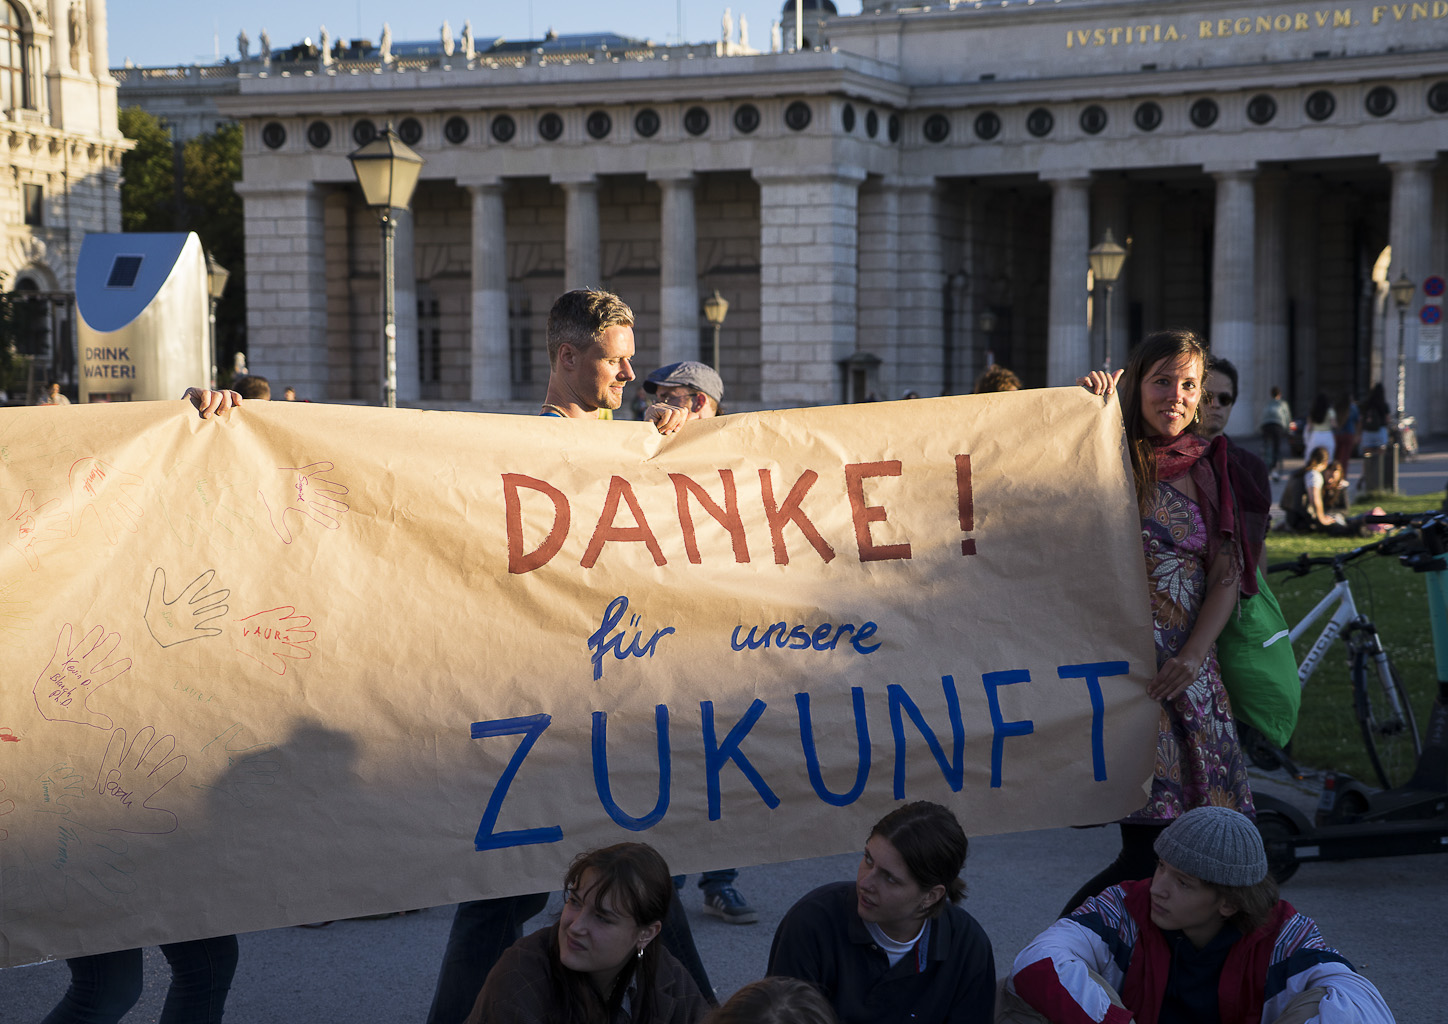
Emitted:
<point x="60" y="169"/>
<point x="889" y="210"/>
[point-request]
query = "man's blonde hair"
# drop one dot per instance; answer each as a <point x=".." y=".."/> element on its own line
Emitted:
<point x="580" y="316"/>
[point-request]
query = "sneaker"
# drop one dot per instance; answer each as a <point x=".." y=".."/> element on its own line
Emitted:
<point x="727" y="905"/>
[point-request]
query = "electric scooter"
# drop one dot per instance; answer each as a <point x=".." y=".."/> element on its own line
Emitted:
<point x="1353" y="820"/>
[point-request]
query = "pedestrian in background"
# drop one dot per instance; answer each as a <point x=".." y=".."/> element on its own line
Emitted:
<point x="1276" y="421"/>
<point x="1321" y="429"/>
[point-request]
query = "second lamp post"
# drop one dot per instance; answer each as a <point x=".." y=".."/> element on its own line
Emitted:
<point x="388" y="171"/>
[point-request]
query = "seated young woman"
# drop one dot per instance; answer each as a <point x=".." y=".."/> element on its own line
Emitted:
<point x="892" y="945"/>
<point x="600" y="964"/>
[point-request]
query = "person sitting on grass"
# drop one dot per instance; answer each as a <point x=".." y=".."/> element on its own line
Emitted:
<point x="1207" y="938"/>
<point x="1304" y="500"/>
<point x="891" y="945"/>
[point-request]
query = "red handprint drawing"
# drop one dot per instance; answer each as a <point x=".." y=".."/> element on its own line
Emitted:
<point x="75" y="672"/>
<point x="172" y="622"/>
<point x="132" y="776"/>
<point x="99" y="487"/>
<point x="303" y="490"/>
<point x="33" y="524"/>
<point x="276" y="636"/>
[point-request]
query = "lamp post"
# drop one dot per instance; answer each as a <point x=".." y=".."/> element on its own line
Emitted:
<point x="715" y="309"/>
<point x="387" y="170"/>
<point x="1106" y="259"/>
<point x="216" y="276"/>
<point x="1403" y="290"/>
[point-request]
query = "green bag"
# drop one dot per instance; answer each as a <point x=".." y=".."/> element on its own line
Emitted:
<point x="1259" y="668"/>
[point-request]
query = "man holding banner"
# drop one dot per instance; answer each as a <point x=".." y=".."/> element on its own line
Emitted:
<point x="590" y="352"/>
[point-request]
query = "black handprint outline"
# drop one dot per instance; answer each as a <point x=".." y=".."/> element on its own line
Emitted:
<point x="168" y="626"/>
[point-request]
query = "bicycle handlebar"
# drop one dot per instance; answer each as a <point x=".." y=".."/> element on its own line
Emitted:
<point x="1399" y="544"/>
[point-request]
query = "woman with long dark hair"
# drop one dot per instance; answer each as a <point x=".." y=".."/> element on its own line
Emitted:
<point x="1197" y="516"/>
<point x="892" y="947"/>
<point x="600" y="963"/>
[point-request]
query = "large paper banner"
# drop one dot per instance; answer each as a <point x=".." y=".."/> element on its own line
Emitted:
<point x="306" y="662"/>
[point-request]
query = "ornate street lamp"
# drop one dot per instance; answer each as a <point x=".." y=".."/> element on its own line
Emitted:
<point x="216" y="276"/>
<point x="1106" y="258"/>
<point x="1403" y="290"/>
<point x="715" y="309"/>
<point x="387" y="170"/>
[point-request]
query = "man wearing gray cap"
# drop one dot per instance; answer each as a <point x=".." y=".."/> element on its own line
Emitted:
<point x="1205" y="939"/>
<point x="694" y="387"/>
<point x="697" y="389"/>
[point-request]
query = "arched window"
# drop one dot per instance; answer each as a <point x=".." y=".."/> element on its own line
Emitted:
<point x="13" y="84"/>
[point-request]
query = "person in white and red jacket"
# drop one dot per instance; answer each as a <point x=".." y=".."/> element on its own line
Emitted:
<point x="1205" y="940"/>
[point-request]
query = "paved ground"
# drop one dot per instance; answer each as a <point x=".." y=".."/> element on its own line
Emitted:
<point x="1388" y="916"/>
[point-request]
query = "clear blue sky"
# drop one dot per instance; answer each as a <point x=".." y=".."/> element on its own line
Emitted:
<point x="159" y="32"/>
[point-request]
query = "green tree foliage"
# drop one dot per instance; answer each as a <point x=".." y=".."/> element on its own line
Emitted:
<point x="148" y="194"/>
<point x="191" y="191"/>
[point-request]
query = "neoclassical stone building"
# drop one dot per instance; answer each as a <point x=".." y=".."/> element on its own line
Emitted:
<point x="60" y="161"/>
<point x="886" y="210"/>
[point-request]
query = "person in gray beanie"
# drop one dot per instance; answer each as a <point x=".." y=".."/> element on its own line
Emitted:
<point x="1207" y="938"/>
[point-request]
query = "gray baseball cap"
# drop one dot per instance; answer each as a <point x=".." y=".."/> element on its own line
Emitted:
<point x="688" y="374"/>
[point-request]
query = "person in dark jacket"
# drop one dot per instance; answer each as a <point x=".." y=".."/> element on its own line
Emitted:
<point x="600" y="964"/>
<point x="892" y="945"/>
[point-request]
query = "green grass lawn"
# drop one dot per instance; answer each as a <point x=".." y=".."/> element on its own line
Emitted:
<point x="1390" y="595"/>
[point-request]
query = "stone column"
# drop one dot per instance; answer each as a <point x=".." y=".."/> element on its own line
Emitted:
<point x="1108" y="211"/>
<point x="1234" y="293"/>
<point x="404" y="290"/>
<point x="1303" y="276"/>
<point x="580" y="239"/>
<point x="1409" y="233"/>
<point x="679" y="297"/>
<point x="807" y="281"/>
<point x="921" y="288"/>
<point x="491" y="368"/>
<point x="1068" y="347"/>
<point x="880" y="276"/>
<point x="99" y="41"/>
<point x="1271" y="304"/>
<point x="286" y="264"/>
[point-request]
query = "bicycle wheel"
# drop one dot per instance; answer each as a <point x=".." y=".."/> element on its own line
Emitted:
<point x="1391" y="737"/>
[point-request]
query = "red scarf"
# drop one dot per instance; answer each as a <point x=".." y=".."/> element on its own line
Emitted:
<point x="1221" y="487"/>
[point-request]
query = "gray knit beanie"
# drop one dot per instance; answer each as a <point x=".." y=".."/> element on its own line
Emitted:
<point x="1216" y="844"/>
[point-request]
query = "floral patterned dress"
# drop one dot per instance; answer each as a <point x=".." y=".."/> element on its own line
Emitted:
<point x="1198" y="759"/>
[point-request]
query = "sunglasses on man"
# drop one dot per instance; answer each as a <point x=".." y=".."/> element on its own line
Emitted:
<point x="1223" y="398"/>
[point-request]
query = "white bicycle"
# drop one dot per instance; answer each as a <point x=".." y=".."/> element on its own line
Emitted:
<point x="1380" y="703"/>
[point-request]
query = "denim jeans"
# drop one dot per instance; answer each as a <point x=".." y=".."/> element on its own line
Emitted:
<point x="481" y="931"/>
<point x="104" y="987"/>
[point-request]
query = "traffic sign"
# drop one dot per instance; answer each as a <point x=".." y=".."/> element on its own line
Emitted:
<point x="1431" y="314"/>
